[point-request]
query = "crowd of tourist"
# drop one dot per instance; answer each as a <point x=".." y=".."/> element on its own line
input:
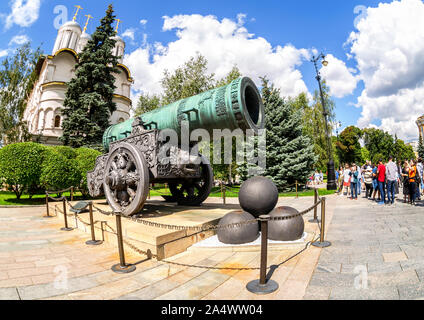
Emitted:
<point x="382" y="182"/>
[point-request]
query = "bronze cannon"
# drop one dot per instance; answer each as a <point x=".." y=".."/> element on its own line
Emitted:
<point x="134" y="160"/>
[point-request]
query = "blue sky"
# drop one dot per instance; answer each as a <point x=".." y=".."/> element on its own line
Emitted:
<point x="303" y="25"/>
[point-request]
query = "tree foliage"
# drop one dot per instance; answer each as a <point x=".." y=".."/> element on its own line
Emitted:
<point x="314" y="122"/>
<point x="59" y="172"/>
<point x="289" y="151"/>
<point x="348" y="146"/>
<point x="17" y="78"/>
<point x="21" y="165"/>
<point x="88" y="104"/>
<point x="188" y="80"/>
<point x="86" y="161"/>
<point x="31" y="167"/>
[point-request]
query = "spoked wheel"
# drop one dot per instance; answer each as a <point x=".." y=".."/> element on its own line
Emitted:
<point x="193" y="192"/>
<point x="126" y="182"/>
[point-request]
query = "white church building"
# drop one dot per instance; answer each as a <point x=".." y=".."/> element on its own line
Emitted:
<point x="44" y="110"/>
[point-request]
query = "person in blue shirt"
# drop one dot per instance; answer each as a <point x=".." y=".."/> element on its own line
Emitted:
<point x="375" y="182"/>
<point x="354" y="183"/>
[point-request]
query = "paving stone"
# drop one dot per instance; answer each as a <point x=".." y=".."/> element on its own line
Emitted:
<point x="391" y="279"/>
<point x="411" y="292"/>
<point x="9" y="294"/>
<point x="318" y="292"/>
<point x="364" y="294"/>
<point x="384" y="267"/>
<point x="55" y="289"/>
<point x="328" y="267"/>
<point x="332" y="280"/>
<point x="394" y="256"/>
<point x="352" y="268"/>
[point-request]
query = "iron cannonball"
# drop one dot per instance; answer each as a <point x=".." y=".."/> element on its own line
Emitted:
<point x="285" y="230"/>
<point x="258" y="196"/>
<point x="240" y="234"/>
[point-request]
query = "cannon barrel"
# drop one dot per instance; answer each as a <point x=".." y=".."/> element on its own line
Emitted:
<point x="237" y="105"/>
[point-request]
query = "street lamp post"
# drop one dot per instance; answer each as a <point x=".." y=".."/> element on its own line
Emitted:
<point x="331" y="175"/>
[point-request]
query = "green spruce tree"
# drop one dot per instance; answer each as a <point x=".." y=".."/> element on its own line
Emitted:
<point x="88" y="104"/>
<point x="290" y="153"/>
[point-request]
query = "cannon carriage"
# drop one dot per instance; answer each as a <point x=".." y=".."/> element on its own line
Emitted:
<point x="139" y="153"/>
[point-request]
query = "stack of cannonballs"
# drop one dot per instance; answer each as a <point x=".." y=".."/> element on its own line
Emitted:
<point x="259" y="196"/>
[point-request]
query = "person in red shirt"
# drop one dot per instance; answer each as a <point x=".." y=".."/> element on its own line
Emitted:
<point x="381" y="178"/>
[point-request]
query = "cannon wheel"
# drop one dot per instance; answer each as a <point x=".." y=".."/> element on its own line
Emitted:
<point x="126" y="182"/>
<point x="193" y="192"/>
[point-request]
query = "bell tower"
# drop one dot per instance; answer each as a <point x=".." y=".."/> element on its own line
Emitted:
<point x="68" y="35"/>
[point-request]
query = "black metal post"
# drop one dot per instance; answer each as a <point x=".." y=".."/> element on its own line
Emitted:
<point x="122" y="267"/>
<point x="262" y="286"/>
<point x="322" y="243"/>
<point x="315" y="219"/>
<point x="331" y="175"/>
<point x="66" y="228"/>
<point x="93" y="241"/>
<point x="47" y="207"/>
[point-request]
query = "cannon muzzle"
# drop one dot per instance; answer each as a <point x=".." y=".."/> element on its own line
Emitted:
<point x="237" y="105"/>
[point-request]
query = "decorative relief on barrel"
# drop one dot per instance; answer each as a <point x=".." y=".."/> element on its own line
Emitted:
<point x="145" y="142"/>
<point x="205" y="97"/>
<point x="221" y="109"/>
<point x="95" y="177"/>
<point x="181" y="116"/>
<point x="235" y="102"/>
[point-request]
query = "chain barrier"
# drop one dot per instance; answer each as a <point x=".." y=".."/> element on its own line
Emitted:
<point x="56" y="199"/>
<point x="180" y="228"/>
<point x="61" y="211"/>
<point x="150" y="255"/>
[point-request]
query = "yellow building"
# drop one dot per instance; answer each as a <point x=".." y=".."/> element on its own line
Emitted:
<point x="420" y="124"/>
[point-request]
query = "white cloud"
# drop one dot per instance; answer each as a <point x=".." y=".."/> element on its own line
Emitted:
<point x="129" y="33"/>
<point x="24" y="13"/>
<point x="19" y="40"/>
<point x="339" y="78"/>
<point x="143" y="22"/>
<point x="389" y="50"/>
<point x="224" y="43"/>
<point x="3" y="53"/>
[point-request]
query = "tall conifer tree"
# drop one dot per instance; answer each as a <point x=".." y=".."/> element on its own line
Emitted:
<point x="290" y="153"/>
<point x="88" y="104"/>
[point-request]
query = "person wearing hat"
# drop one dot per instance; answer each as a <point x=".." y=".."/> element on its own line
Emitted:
<point x="368" y="180"/>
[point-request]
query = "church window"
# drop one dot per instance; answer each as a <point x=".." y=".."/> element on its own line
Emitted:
<point x="57" y="122"/>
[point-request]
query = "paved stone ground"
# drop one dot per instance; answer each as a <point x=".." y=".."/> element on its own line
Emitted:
<point x="376" y="253"/>
<point x="38" y="261"/>
<point x="372" y="245"/>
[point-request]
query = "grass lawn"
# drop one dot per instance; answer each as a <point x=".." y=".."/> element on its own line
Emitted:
<point x="9" y="198"/>
<point x="233" y="192"/>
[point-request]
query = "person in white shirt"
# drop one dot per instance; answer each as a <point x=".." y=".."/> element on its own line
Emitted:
<point x="346" y="179"/>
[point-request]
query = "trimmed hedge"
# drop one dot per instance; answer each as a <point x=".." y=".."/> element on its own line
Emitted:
<point x="58" y="172"/>
<point x="30" y="167"/>
<point x="21" y="165"/>
<point x="86" y="160"/>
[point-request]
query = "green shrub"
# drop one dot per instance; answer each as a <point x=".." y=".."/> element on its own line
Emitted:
<point x="58" y="172"/>
<point x="20" y="166"/>
<point x="68" y="152"/>
<point x="86" y="161"/>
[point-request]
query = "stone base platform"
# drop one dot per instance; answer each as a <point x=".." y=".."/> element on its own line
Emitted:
<point x="162" y="242"/>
